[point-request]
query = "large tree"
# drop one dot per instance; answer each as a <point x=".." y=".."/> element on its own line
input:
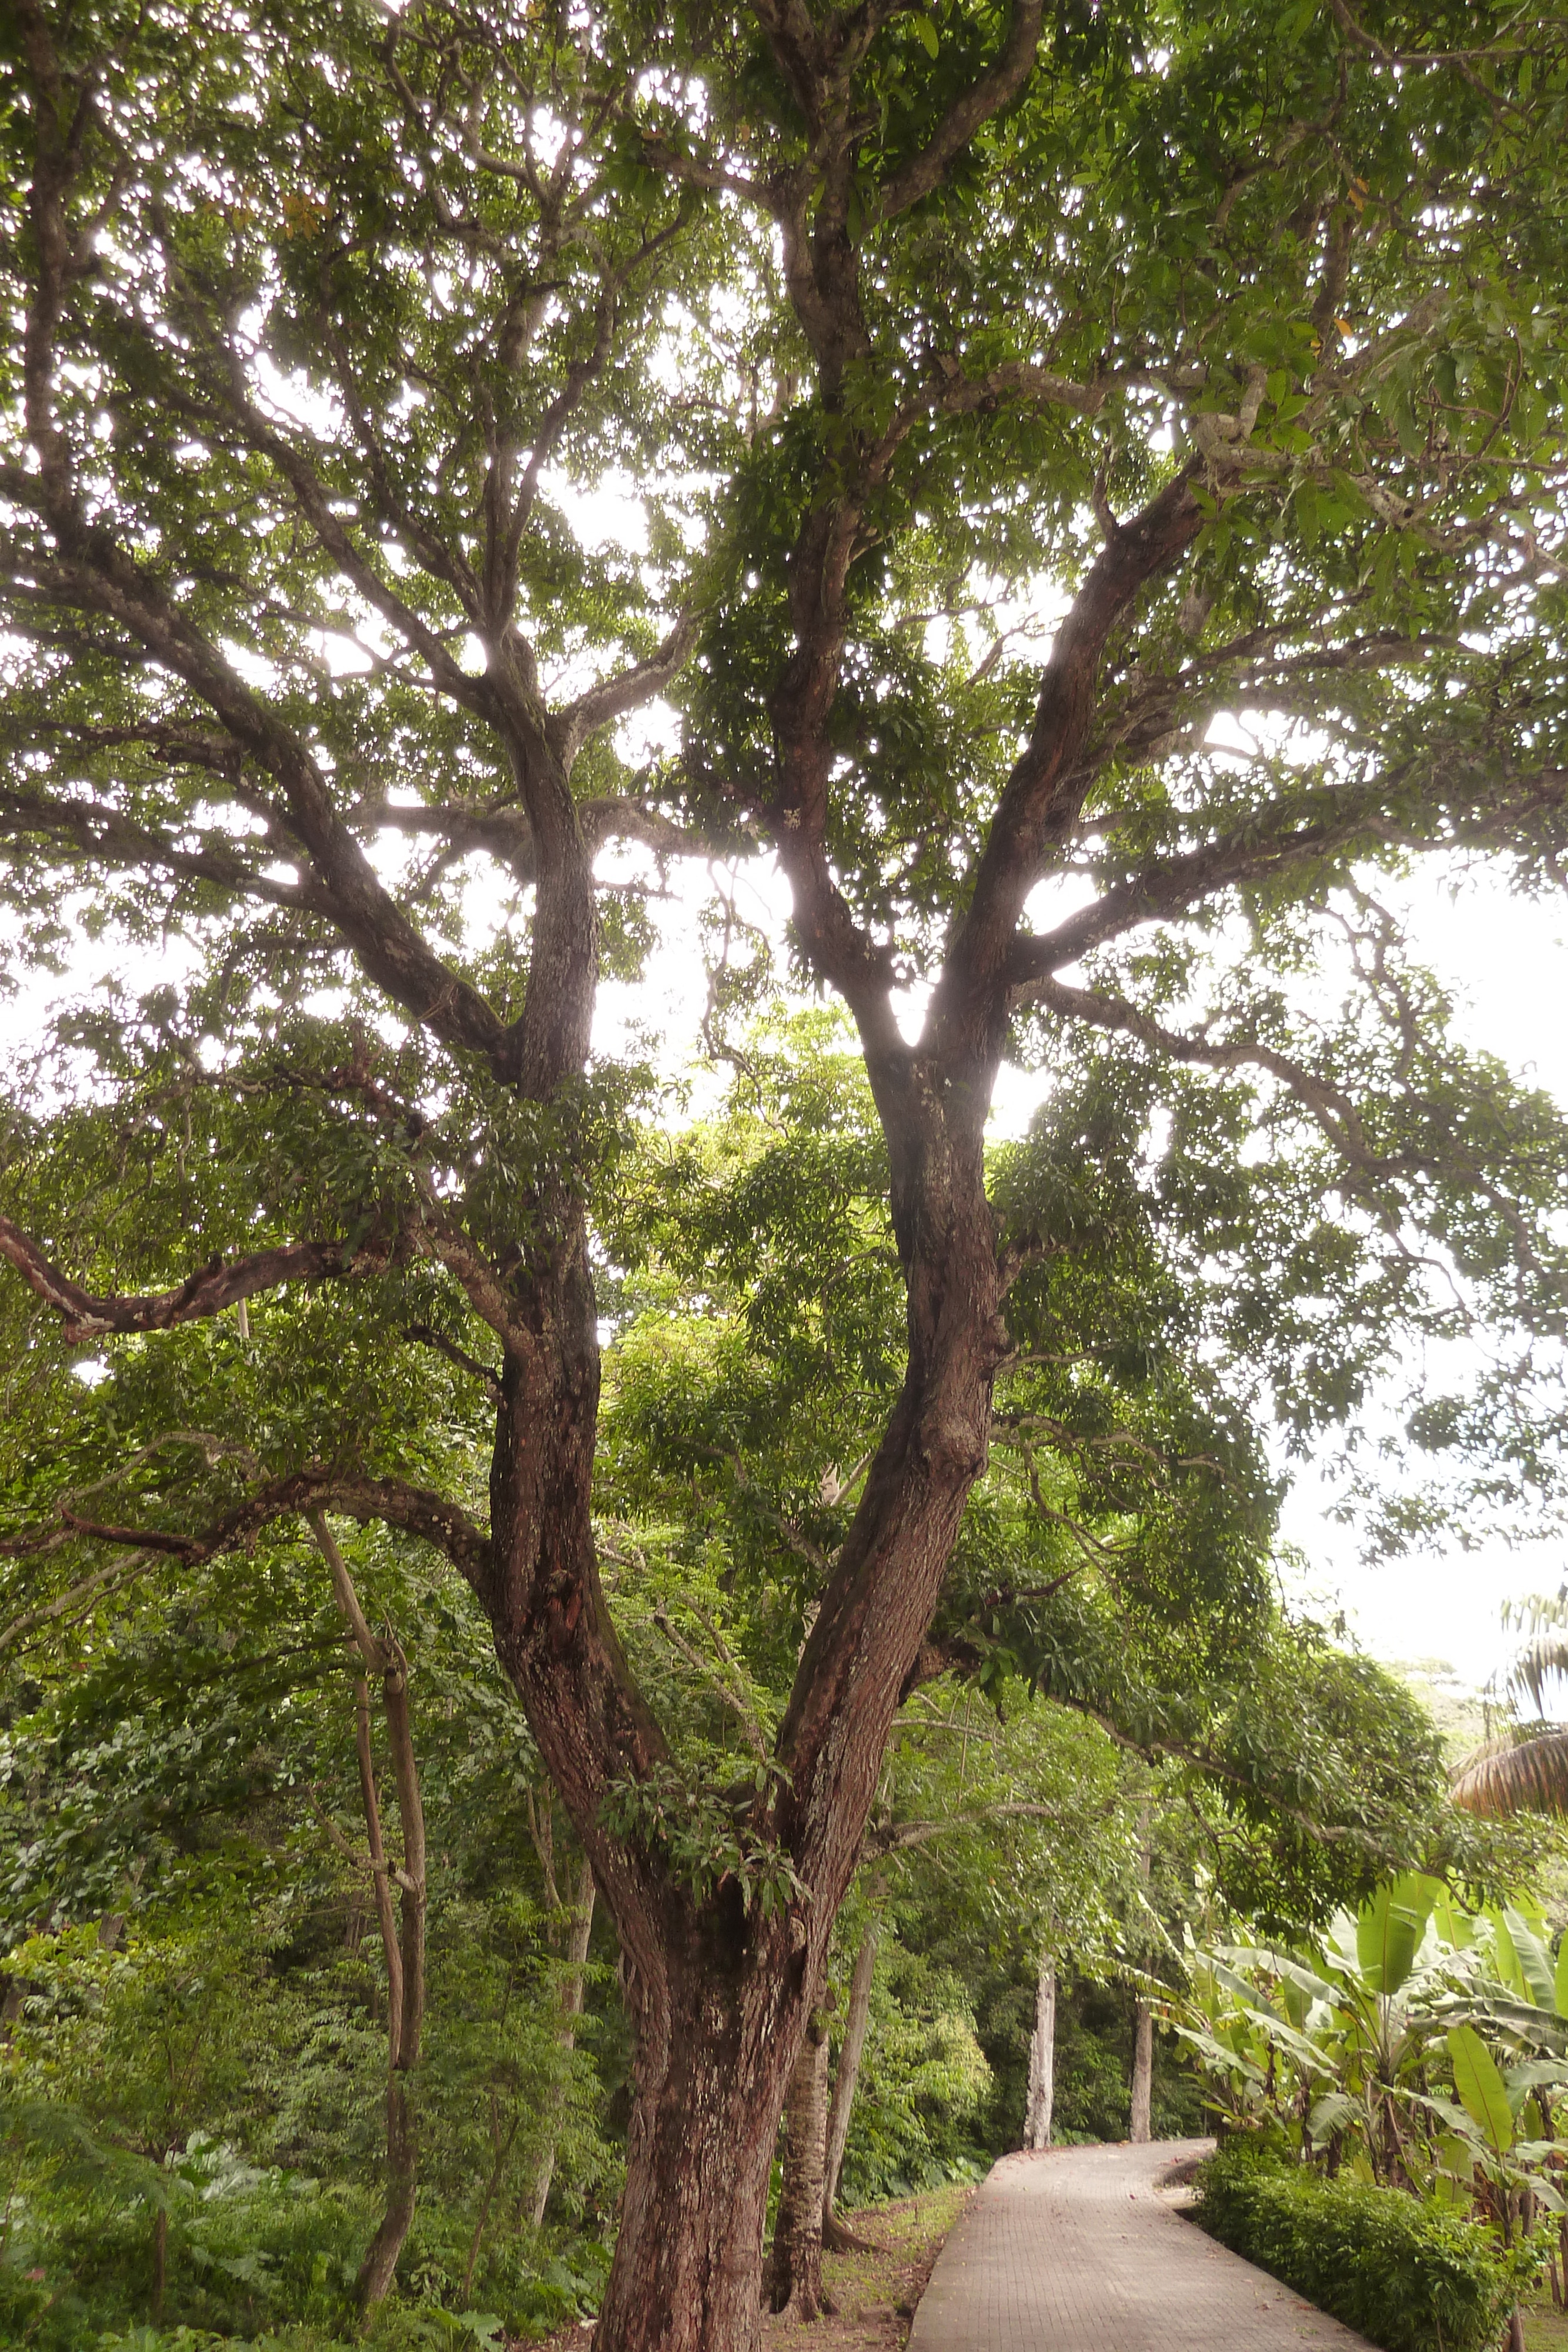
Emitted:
<point x="989" y="401"/>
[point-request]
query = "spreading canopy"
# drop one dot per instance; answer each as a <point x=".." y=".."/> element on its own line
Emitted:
<point x="464" y="465"/>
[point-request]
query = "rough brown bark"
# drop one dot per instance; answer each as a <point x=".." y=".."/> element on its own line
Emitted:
<point x="795" y="2265"/>
<point x="1042" y="2058"/>
<point x="857" y="2018"/>
<point x="1143" y="2071"/>
<point x="714" y="2053"/>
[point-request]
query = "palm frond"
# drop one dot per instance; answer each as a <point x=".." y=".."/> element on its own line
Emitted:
<point x="1527" y="1773"/>
<point x="1536" y="1663"/>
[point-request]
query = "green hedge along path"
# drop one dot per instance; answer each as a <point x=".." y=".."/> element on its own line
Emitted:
<point x="1076" y="2249"/>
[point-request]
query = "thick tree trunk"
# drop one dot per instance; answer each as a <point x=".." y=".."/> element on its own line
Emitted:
<point x="855" y="2023"/>
<point x="1143" y="2070"/>
<point x="573" y="1986"/>
<point x="711" y="2068"/>
<point x="795" y="2268"/>
<point x="1042" y="2058"/>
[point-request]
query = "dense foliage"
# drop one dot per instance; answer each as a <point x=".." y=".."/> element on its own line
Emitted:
<point x="1406" y="2276"/>
<point x="1072" y="494"/>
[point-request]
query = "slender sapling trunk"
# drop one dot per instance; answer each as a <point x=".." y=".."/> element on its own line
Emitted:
<point x="573" y="1991"/>
<point x="402" y="1937"/>
<point x="1042" y="2058"/>
<point x="857" y="2019"/>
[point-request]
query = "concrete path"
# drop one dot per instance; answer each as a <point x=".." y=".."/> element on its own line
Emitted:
<point x="1075" y="2251"/>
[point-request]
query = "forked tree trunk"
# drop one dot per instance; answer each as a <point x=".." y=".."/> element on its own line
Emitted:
<point x="573" y="1991"/>
<point x="1042" y="2058"/>
<point x="719" y="1993"/>
<point x="1143" y="2071"/>
<point x="795" y="2268"/>
<point x="856" y="2021"/>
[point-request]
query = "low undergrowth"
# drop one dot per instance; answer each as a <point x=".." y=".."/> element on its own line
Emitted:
<point x="1411" y="2276"/>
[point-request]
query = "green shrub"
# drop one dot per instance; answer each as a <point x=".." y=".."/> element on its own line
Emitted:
<point x="1412" y="2276"/>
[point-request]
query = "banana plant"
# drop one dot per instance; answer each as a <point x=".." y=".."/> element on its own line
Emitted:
<point x="1415" y="2044"/>
<point x="1496" y="2147"/>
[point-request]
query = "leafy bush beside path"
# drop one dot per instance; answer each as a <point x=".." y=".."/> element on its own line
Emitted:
<point x="1405" y="2272"/>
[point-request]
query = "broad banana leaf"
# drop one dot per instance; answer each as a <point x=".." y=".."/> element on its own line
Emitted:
<point x="1496" y="2012"/>
<point x="1455" y="1924"/>
<point x="1389" y="1930"/>
<point x="1534" y="1960"/>
<point x="1330" y="2114"/>
<point x="1505" y="1958"/>
<point x="1482" y="2092"/>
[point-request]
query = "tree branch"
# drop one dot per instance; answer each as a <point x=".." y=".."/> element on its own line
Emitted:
<point x="994" y="90"/>
<point x="1039" y="804"/>
<point x="87" y="1315"/>
<point x="317" y="1487"/>
<point x="628" y="689"/>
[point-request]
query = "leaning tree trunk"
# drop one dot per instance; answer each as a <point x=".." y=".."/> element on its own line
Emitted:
<point x="795" y="2267"/>
<point x="1143" y="2071"/>
<point x="844" y="2081"/>
<point x="1042" y="2058"/>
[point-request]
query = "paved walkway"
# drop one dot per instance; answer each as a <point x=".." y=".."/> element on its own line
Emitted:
<point x="1075" y="2251"/>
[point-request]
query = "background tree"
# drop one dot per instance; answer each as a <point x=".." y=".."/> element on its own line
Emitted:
<point x="1226" y="340"/>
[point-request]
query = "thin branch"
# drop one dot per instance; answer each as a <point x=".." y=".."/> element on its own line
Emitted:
<point x="106" y="1578"/>
<point x="725" y="1685"/>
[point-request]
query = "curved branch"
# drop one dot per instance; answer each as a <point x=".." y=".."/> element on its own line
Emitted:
<point x="627" y="689"/>
<point x="88" y="1315"/>
<point x="1332" y="1109"/>
<point x="319" y="1487"/>
<point x="1040" y="800"/>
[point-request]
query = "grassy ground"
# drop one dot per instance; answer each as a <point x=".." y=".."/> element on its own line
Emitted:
<point x="1545" y="2330"/>
<point x="876" y="2293"/>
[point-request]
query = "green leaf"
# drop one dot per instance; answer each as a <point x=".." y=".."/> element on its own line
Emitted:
<point x="1389" y="1930"/>
<point x="1560" y="1979"/>
<point x="1534" y="1960"/>
<point x="1482" y="2091"/>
